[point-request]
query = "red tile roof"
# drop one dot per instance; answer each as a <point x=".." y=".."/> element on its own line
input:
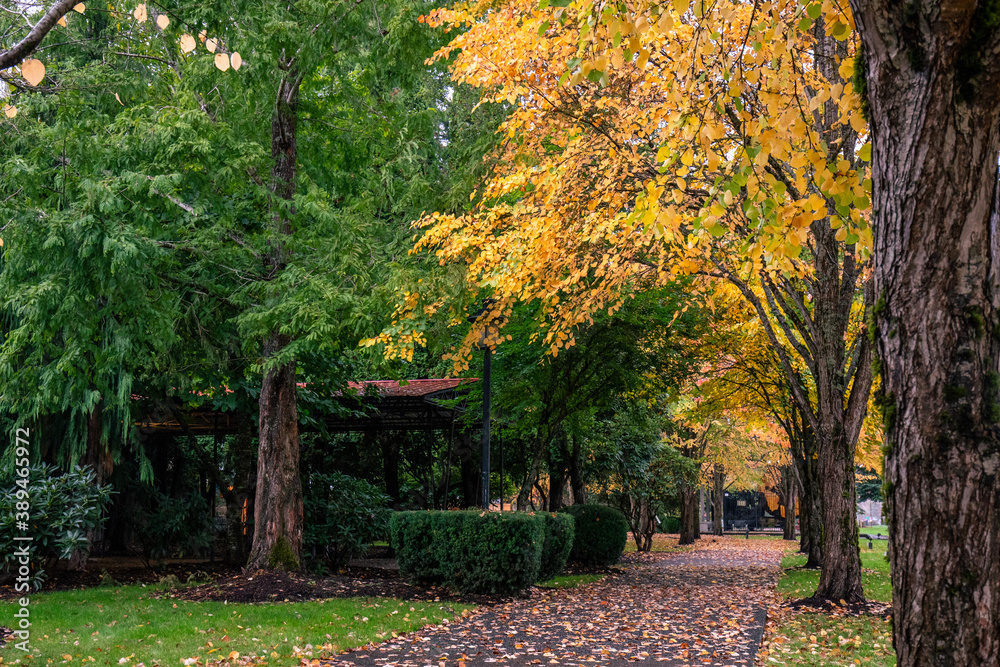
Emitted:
<point x="411" y="388"/>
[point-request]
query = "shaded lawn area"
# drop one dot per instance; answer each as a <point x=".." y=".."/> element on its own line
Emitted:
<point x="828" y="639"/>
<point x="803" y="583"/>
<point x="838" y="641"/>
<point x="103" y="626"/>
<point x="570" y="580"/>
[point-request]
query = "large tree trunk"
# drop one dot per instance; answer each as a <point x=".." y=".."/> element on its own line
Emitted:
<point x="278" y="506"/>
<point x="689" y="514"/>
<point x="718" y="494"/>
<point x="278" y="520"/>
<point x="838" y="421"/>
<point x="933" y="83"/>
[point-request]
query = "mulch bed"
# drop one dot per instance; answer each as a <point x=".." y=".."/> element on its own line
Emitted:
<point x="122" y="572"/>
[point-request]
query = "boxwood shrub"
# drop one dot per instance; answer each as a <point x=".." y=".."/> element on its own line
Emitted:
<point x="558" y="543"/>
<point x="469" y="551"/>
<point x="599" y="537"/>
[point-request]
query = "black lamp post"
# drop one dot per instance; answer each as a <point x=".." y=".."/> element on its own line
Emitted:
<point x="484" y="335"/>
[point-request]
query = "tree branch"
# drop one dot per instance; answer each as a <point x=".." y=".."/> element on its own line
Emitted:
<point x="16" y="54"/>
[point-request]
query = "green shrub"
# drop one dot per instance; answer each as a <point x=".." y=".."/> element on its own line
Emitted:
<point x="558" y="543"/>
<point x="600" y="533"/>
<point x="63" y="510"/>
<point x="470" y="551"/>
<point x="163" y="526"/>
<point x="342" y="516"/>
<point x="671" y="524"/>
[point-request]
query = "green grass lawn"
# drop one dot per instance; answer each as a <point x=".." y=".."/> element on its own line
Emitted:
<point x="818" y="639"/>
<point x="802" y="583"/>
<point x="570" y="580"/>
<point x="821" y="639"/>
<point x="126" y="626"/>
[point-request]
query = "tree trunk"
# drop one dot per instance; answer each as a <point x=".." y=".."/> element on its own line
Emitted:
<point x="789" y="486"/>
<point x="933" y="83"/>
<point x="98" y="458"/>
<point x="689" y="514"/>
<point x="278" y="506"/>
<point x="718" y="494"/>
<point x="524" y="494"/>
<point x="576" y="478"/>
<point x="278" y="520"/>
<point x="805" y="458"/>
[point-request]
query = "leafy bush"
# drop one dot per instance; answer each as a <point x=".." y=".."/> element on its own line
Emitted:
<point x="599" y="537"/>
<point x="671" y="524"/>
<point x="342" y="515"/>
<point x="63" y="509"/>
<point x="163" y="526"/>
<point x="558" y="543"/>
<point x="470" y="551"/>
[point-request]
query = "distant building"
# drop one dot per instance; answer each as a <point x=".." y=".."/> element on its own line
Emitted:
<point x="870" y="513"/>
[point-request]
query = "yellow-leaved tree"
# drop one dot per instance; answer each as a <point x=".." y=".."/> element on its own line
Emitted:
<point x="648" y="141"/>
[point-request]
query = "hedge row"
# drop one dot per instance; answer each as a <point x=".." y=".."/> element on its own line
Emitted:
<point x="601" y="533"/>
<point x="480" y="552"/>
<point x="487" y="552"/>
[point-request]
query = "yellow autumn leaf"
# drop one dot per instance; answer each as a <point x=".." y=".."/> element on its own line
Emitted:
<point x="162" y="21"/>
<point x="187" y="43"/>
<point x="687" y="158"/>
<point x="140" y="13"/>
<point x="237" y="61"/>
<point x="33" y="71"/>
<point x="211" y="45"/>
<point x="233" y="655"/>
<point x="67" y="656"/>
<point x="222" y="61"/>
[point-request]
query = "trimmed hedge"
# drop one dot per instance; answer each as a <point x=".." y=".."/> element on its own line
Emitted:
<point x="600" y="534"/>
<point x="469" y="551"/>
<point x="558" y="543"/>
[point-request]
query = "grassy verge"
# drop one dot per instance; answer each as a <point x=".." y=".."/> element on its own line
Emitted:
<point x="126" y="626"/>
<point x="571" y="580"/>
<point x="818" y="639"/>
<point x="822" y="639"/>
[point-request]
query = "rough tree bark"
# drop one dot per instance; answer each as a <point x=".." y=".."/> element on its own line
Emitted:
<point x="718" y="494"/>
<point x="278" y="506"/>
<point x="933" y="85"/>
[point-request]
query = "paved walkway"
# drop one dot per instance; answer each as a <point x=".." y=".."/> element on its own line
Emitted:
<point x="704" y="607"/>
